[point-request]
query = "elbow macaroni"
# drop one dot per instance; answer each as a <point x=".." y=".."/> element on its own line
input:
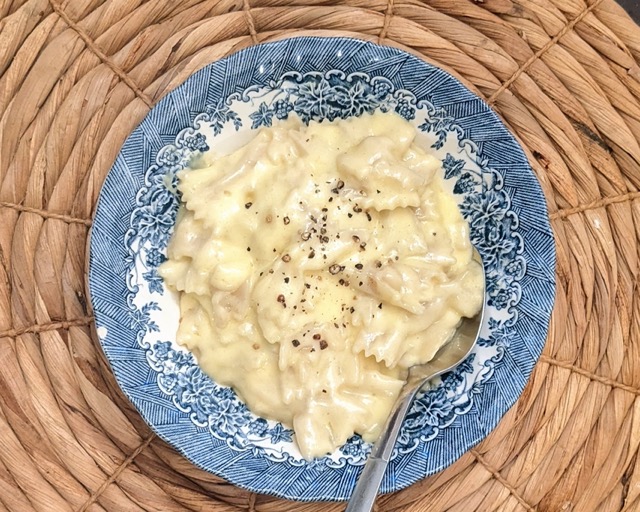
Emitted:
<point x="315" y="265"/>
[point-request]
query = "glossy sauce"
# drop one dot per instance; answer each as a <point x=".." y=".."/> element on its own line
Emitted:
<point x="316" y="265"/>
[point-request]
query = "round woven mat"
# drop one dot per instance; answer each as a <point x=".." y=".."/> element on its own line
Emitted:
<point x="78" y="76"/>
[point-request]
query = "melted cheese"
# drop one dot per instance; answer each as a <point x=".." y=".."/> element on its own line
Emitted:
<point x="316" y="265"/>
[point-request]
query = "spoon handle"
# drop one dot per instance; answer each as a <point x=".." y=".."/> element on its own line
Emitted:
<point x="364" y="495"/>
<point x="366" y="490"/>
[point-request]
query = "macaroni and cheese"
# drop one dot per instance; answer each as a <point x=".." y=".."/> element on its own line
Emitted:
<point x="315" y="265"/>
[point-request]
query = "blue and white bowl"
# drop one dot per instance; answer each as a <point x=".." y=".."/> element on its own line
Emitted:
<point x="317" y="78"/>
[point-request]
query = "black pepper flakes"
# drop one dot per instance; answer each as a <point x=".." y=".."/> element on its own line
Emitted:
<point x="248" y="249"/>
<point x="286" y="258"/>
<point x="349" y="215"/>
<point x="378" y="264"/>
<point x="248" y="205"/>
<point x="295" y="343"/>
<point x="368" y="216"/>
<point x="380" y="306"/>
<point x="280" y="299"/>
<point x="359" y="266"/>
<point x="286" y="280"/>
<point x="323" y="231"/>
<point x="286" y="220"/>
<point x="316" y="336"/>
<point x="324" y="239"/>
<point x="312" y="254"/>
<point x="305" y="236"/>
<point x="323" y="344"/>
<point x="313" y="219"/>
<point x="334" y="269"/>
<point x="357" y="209"/>
<point x="268" y="218"/>
<point x="356" y="238"/>
<point x="363" y="246"/>
<point x="339" y="186"/>
<point x="325" y="209"/>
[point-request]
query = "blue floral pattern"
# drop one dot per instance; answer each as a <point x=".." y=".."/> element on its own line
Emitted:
<point x="485" y="199"/>
<point x="209" y="405"/>
<point x="218" y="115"/>
<point x="331" y="95"/>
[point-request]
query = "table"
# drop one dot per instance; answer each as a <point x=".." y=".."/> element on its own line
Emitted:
<point x="77" y="77"/>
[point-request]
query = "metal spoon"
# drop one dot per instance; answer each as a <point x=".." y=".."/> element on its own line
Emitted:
<point x="448" y="357"/>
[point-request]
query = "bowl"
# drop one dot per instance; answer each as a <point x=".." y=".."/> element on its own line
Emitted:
<point x="318" y="78"/>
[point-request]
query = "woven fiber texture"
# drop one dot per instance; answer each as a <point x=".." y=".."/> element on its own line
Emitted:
<point x="77" y="76"/>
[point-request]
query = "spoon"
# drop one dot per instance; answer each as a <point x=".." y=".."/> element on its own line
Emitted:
<point x="448" y="357"/>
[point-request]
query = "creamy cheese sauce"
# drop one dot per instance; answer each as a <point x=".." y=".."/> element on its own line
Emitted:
<point x="315" y="265"/>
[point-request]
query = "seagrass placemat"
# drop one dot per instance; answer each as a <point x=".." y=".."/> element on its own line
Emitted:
<point x="78" y="76"/>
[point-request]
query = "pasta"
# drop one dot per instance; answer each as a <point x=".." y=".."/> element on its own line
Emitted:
<point x="315" y="265"/>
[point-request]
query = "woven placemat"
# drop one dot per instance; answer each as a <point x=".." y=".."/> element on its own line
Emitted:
<point x="78" y="76"/>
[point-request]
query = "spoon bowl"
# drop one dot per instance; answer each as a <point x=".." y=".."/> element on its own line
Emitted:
<point x="450" y="355"/>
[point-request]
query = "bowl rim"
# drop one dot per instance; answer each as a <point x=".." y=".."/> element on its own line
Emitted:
<point x="544" y="227"/>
